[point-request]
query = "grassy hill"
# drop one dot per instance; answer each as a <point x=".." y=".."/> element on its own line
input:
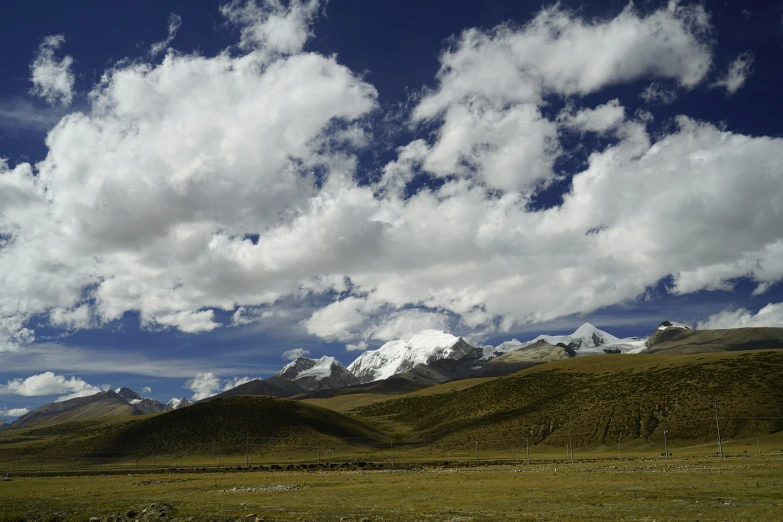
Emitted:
<point x="602" y="399"/>
<point x="682" y="341"/>
<point x="212" y="427"/>
<point x="537" y="353"/>
<point x="104" y="404"/>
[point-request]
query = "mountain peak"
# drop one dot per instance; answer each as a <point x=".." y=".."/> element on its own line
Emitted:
<point x="127" y="394"/>
<point x="586" y="328"/>
<point x="398" y="356"/>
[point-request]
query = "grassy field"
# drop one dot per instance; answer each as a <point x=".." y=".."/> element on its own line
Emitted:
<point x="738" y="488"/>
<point x="600" y="400"/>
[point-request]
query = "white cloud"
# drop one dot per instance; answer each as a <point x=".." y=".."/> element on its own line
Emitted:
<point x="739" y="70"/>
<point x="601" y="119"/>
<point x="146" y="389"/>
<point x="407" y="323"/>
<point x="48" y="383"/>
<point x="492" y="84"/>
<point x="295" y="353"/>
<point x="52" y="78"/>
<point x="175" y="22"/>
<point x="771" y="315"/>
<point x="655" y="93"/>
<point x="207" y="384"/>
<point x="358" y="347"/>
<point x="203" y="385"/>
<point x="189" y="321"/>
<point x="74" y="319"/>
<point x="14" y="412"/>
<point x="271" y="25"/>
<point x="229" y="182"/>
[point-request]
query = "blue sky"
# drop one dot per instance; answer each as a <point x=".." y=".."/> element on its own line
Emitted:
<point x="201" y="187"/>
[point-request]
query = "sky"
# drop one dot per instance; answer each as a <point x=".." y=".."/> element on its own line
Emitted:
<point x="192" y="193"/>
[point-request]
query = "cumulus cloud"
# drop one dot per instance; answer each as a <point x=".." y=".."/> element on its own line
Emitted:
<point x="14" y="412"/>
<point x="48" y="383"/>
<point x="739" y="70"/>
<point x="358" y="347"/>
<point x="207" y="384"/>
<point x="175" y="22"/>
<point x="295" y="353"/>
<point x="229" y="182"/>
<point x="52" y="78"/>
<point x="271" y="24"/>
<point x="600" y="119"/>
<point x="146" y="389"/>
<point x="230" y="146"/>
<point x="492" y="84"/>
<point x="771" y="315"/>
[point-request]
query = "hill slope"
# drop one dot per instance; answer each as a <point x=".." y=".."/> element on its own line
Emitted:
<point x="103" y="404"/>
<point x="211" y="427"/>
<point x="601" y="399"/>
<point x="531" y="355"/>
<point x="686" y="341"/>
<point x="272" y="387"/>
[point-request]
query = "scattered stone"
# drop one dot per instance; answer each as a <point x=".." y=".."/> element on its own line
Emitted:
<point x="260" y="489"/>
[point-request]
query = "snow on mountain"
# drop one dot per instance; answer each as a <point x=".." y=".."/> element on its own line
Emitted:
<point x="399" y="356"/>
<point x="586" y="340"/>
<point x="175" y="403"/>
<point x="671" y="324"/>
<point x="143" y="404"/>
<point x="128" y="394"/>
<point x="316" y="374"/>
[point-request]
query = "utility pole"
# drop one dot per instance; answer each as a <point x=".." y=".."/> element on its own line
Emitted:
<point x="571" y="446"/>
<point x="666" y="443"/>
<point x="527" y="447"/>
<point x="717" y="424"/>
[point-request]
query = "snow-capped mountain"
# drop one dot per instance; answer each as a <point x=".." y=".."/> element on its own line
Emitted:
<point x="671" y="324"/>
<point x="665" y="330"/>
<point x="4" y="424"/>
<point x="128" y="394"/>
<point x="586" y="340"/>
<point x="317" y="374"/>
<point x="175" y="403"/>
<point x="399" y="356"/>
<point x="143" y="404"/>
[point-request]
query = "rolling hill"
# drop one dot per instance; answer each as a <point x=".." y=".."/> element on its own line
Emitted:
<point x="103" y="404"/>
<point x="602" y="399"/>
<point x="220" y="426"/>
<point x="685" y="341"/>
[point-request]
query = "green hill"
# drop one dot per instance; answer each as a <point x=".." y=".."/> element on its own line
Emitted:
<point x="684" y="341"/>
<point x="212" y="427"/>
<point x="601" y="399"/>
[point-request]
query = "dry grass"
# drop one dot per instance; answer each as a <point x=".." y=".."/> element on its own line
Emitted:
<point x="682" y="489"/>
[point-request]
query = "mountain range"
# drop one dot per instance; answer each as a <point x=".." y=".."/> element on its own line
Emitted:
<point x="429" y="357"/>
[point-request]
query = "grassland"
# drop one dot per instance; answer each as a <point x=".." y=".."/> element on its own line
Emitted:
<point x="209" y="428"/>
<point x="600" y="400"/>
<point x="747" y="488"/>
